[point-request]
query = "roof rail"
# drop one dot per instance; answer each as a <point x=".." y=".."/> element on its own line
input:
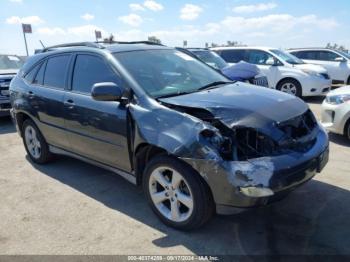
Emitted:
<point x="128" y="42"/>
<point x="87" y="44"/>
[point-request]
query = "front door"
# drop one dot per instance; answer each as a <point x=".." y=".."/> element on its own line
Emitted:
<point x="96" y="129"/>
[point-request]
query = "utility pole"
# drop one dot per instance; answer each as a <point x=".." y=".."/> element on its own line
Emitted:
<point x="26" y="28"/>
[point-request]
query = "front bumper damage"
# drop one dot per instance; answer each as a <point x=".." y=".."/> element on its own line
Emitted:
<point x="262" y="180"/>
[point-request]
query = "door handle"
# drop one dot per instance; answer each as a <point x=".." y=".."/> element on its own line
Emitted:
<point x="30" y="94"/>
<point x="69" y="103"/>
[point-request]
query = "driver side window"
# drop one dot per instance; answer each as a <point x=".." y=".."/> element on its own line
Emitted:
<point x="259" y="57"/>
<point x="89" y="70"/>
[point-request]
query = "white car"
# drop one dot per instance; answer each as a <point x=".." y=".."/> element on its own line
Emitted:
<point x="284" y="71"/>
<point x="336" y="62"/>
<point x="336" y="111"/>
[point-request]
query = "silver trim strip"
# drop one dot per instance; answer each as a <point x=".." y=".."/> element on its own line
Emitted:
<point x="128" y="176"/>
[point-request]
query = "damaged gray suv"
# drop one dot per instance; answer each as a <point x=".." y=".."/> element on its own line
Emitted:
<point x="197" y="142"/>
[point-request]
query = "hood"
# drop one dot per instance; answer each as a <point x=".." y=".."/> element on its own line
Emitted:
<point x="240" y="104"/>
<point x="345" y="90"/>
<point x="316" y="68"/>
<point x="241" y="71"/>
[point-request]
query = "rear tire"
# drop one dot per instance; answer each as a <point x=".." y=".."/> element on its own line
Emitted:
<point x="290" y="86"/>
<point x="35" y="144"/>
<point x="177" y="194"/>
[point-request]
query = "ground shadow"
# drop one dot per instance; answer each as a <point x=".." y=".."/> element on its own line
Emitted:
<point x="6" y="125"/>
<point x="339" y="139"/>
<point x="314" y="219"/>
<point x="314" y="99"/>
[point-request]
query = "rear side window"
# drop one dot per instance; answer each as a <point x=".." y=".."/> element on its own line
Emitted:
<point x="39" y="78"/>
<point x="308" y="55"/>
<point x="89" y="70"/>
<point x="32" y="73"/>
<point x="233" y="56"/>
<point x="56" y="69"/>
<point x="328" y="56"/>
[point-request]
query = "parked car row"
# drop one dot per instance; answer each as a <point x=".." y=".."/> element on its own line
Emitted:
<point x="9" y="66"/>
<point x="284" y="71"/>
<point x="197" y="142"/>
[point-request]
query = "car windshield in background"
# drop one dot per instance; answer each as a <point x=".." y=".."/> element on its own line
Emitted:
<point x="168" y="72"/>
<point x="289" y="58"/>
<point x="10" y="62"/>
<point x="211" y="58"/>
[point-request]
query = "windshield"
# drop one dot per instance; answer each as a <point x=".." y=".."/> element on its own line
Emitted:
<point x="167" y="72"/>
<point x="347" y="55"/>
<point x="289" y="58"/>
<point x="10" y="62"/>
<point x="211" y="58"/>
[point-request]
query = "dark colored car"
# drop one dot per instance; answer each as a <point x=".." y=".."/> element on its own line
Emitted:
<point x="198" y="143"/>
<point x="242" y="71"/>
<point x="9" y="66"/>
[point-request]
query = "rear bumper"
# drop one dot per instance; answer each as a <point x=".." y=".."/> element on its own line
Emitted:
<point x="237" y="183"/>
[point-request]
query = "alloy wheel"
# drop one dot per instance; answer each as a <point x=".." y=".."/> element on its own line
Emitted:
<point x="289" y="88"/>
<point x="32" y="142"/>
<point x="171" y="194"/>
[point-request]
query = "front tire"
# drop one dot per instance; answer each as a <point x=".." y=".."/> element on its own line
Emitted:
<point x="290" y="86"/>
<point x="347" y="130"/>
<point x="177" y="194"/>
<point x="34" y="143"/>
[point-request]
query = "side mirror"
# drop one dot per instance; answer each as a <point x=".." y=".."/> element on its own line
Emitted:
<point x="106" y="91"/>
<point x="271" y="62"/>
<point x="340" y="59"/>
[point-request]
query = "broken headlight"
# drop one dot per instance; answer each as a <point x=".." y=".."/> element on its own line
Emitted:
<point x="221" y="143"/>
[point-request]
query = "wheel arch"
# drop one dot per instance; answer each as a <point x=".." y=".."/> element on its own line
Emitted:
<point x="290" y="78"/>
<point x="20" y="118"/>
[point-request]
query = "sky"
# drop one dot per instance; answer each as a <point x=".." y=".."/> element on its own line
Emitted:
<point x="279" y="23"/>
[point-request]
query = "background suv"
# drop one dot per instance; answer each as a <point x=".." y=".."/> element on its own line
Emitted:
<point x="284" y="71"/>
<point x="196" y="142"/>
<point x="336" y="62"/>
<point x="9" y="66"/>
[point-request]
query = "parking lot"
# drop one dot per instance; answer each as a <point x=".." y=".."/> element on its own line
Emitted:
<point x="69" y="207"/>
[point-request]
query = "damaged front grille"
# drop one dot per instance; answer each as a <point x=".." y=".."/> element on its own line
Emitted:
<point x="299" y="126"/>
<point x="299" y="135"/>
<point x="252" y="144"/>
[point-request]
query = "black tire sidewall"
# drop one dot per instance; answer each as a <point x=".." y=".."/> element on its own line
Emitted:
<point x="198" y="190"/>
<point x="45" y="155"/>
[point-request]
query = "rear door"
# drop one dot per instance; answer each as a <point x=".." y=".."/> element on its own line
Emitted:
<point x="96" y="129"/>
<point x="45" y="92"/>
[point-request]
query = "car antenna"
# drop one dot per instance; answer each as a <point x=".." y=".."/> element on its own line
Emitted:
<point x="42" y="44"/>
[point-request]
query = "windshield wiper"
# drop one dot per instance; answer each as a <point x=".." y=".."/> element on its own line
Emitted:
<point x="215" y="84"/>
<point x="208" y="86"/>
<point x="175" y="94"/>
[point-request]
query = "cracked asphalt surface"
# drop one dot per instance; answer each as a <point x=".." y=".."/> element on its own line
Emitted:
<point x="70" y="207"/>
